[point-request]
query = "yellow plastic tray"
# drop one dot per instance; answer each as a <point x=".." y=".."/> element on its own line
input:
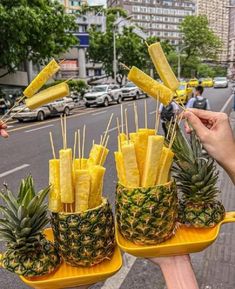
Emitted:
<point x="67" y="276"/>
<point x="186" y="240"/>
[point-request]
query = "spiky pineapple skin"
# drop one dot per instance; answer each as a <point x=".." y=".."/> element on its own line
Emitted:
<point x="41" y="261"/>
<point x="147" y="216"/>
<point x="196" y="176"/>
<point x="201" y="215"/>
<point x="85" y="239"/>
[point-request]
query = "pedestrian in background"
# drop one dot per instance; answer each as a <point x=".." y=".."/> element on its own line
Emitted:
<point x="199" y="101"/>
<point x="168" y="113"/>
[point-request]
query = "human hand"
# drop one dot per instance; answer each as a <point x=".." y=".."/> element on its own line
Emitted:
<point x="215" y="133"/>
<point x="177" y="271"/>
<point x="3" y="131"/>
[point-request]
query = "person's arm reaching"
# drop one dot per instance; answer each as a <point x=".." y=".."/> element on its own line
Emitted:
<point x="177" y="271"/>
<point x="215" y="133"/>
<point x="3" y="131"/>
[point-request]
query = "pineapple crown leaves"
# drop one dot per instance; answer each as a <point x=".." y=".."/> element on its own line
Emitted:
<point x="24" y="216"/>
<point x="194" y="170"/>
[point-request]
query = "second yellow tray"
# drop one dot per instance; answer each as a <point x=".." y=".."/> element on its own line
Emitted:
<point x="186" y="240"/>
<point x="67" y="276"/>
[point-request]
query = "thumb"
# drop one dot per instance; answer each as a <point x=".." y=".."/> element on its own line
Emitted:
<point x="196" y="123"/>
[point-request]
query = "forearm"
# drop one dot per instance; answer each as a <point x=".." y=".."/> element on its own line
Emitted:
<point x="178" y="272"/>
<point x="229" y="166"/>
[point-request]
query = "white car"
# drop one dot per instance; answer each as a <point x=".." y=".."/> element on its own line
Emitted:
<point x="61" y="106"/>
<point x="130" y="90"/>
<point x="220" y="82"/>
<point x="103" y="95"/>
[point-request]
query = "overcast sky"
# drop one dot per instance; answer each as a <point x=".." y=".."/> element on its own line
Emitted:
<point x="96" y="2"/>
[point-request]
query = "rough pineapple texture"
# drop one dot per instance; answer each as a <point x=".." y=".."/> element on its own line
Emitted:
<point x="147" y="216"/>
<point x="85" y="239"/>
<point x="38" y="262"/>
<point x="201" y="215"/>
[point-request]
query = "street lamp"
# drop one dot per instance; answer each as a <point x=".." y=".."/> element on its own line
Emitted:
<point x="116" y="23"/>
<point x="179" y="60"/>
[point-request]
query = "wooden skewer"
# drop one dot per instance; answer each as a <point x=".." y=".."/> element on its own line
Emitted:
<point x="145" y="114"/>
<point x="13" y="115"/>
<point x="126" y="120"/>
<point x="83" y="140"/>
<point x="124" y="66"/>
<point x="169" y="128"/>
<point x="157" y="120"/>
<point x="107" y="128"/>
<point x="146" y="43"/>
<point x="7" y="113"/>
<point x="63" y="60"/>
<point x="172" y="140"/>
<point x="136" y="117"/>
<point x="101" y="139"/>
<point x="122" y="120"/>
<point x="65" y="131"/>
<point x="173" y="130"/>
<point x="52" y="145"/>
<point x="75" y="145"/>
<point x="118" y="126"/>
<point x="103" y="151"/>
<point x="79" y="148"/>
<point x="62" y="130"/>
<point x="93" y="142"/>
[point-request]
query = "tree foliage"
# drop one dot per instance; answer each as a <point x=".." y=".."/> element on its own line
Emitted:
<point x="130" y="48"/>
<point x="199" y="40"/>
<point x="78" y="86"/>
<point x="33" y="30"/>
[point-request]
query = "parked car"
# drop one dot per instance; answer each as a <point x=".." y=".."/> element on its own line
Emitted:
<point x="206" y="82"/>
<point x="183" y="93"/>
<point x="193" y="82"/>
<point x="103" y="95"/>
<point x="220" y="82"/>
<point x="61" y="106"/>
<point x="130" y="90"/>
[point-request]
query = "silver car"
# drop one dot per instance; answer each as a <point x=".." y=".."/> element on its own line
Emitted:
<point x="220" y="82"/>
<point x="61" y="106"/>
<point x="130" y="90"/>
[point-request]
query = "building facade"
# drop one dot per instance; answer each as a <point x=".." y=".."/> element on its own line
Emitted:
<point x="217" y="12"/>
<point x="159" y="18"/>
<point x="73" y="5"/>
<point x="231" y="42"/>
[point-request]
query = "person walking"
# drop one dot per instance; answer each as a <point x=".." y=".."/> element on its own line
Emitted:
<point x="199" y="101"/>
<point x="168" y="113"/>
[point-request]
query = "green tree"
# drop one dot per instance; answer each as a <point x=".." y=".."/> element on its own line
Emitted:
<point x="33" y="30"/>
<point x="130" y="48"/>
<point x="199" y="40"/>
<point x="78" y="86"/>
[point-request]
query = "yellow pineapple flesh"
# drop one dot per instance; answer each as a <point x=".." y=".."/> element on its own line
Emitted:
<point x="165" y="164"/>
<point x="55" y="204"/>
<point x="82" y="190"/>
<point x="97" y="179"/>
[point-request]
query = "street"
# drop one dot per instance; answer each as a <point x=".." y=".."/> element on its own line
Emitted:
<point x="28" y="151"/>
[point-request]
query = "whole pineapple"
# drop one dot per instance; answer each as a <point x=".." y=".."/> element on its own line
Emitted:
<point x="23" y="219"/>
<point x="147" y="216"/>
<point x="196" y="175"/>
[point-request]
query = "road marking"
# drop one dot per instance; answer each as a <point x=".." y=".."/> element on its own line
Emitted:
<point x="9" y="126"/>
<point x="227" y="103"/>
<point x="101" y="112"/>
<point x="42" y="127"/>
<point x="116" y="281"/>
<point x="14" y="170"/>
<point x="112" y="129"/>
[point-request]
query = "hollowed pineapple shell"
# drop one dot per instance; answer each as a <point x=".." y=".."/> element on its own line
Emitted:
<point x="85" y="239"/>
<point x="147" y="216"/>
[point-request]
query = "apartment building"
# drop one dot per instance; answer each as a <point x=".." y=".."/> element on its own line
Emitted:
<point x="73" y="5"/>
<point x="159" y="18"/>
<point x="217" y="12"/>
<point x="231" y="42"/>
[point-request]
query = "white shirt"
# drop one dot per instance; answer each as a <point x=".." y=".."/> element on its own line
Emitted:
<point x="199" y="97"/>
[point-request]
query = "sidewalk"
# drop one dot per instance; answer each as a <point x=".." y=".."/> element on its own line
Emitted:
<point x="215" y="267"/>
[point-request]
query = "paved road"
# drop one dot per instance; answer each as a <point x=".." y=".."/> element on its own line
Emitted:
<point x="28" y="151"/>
